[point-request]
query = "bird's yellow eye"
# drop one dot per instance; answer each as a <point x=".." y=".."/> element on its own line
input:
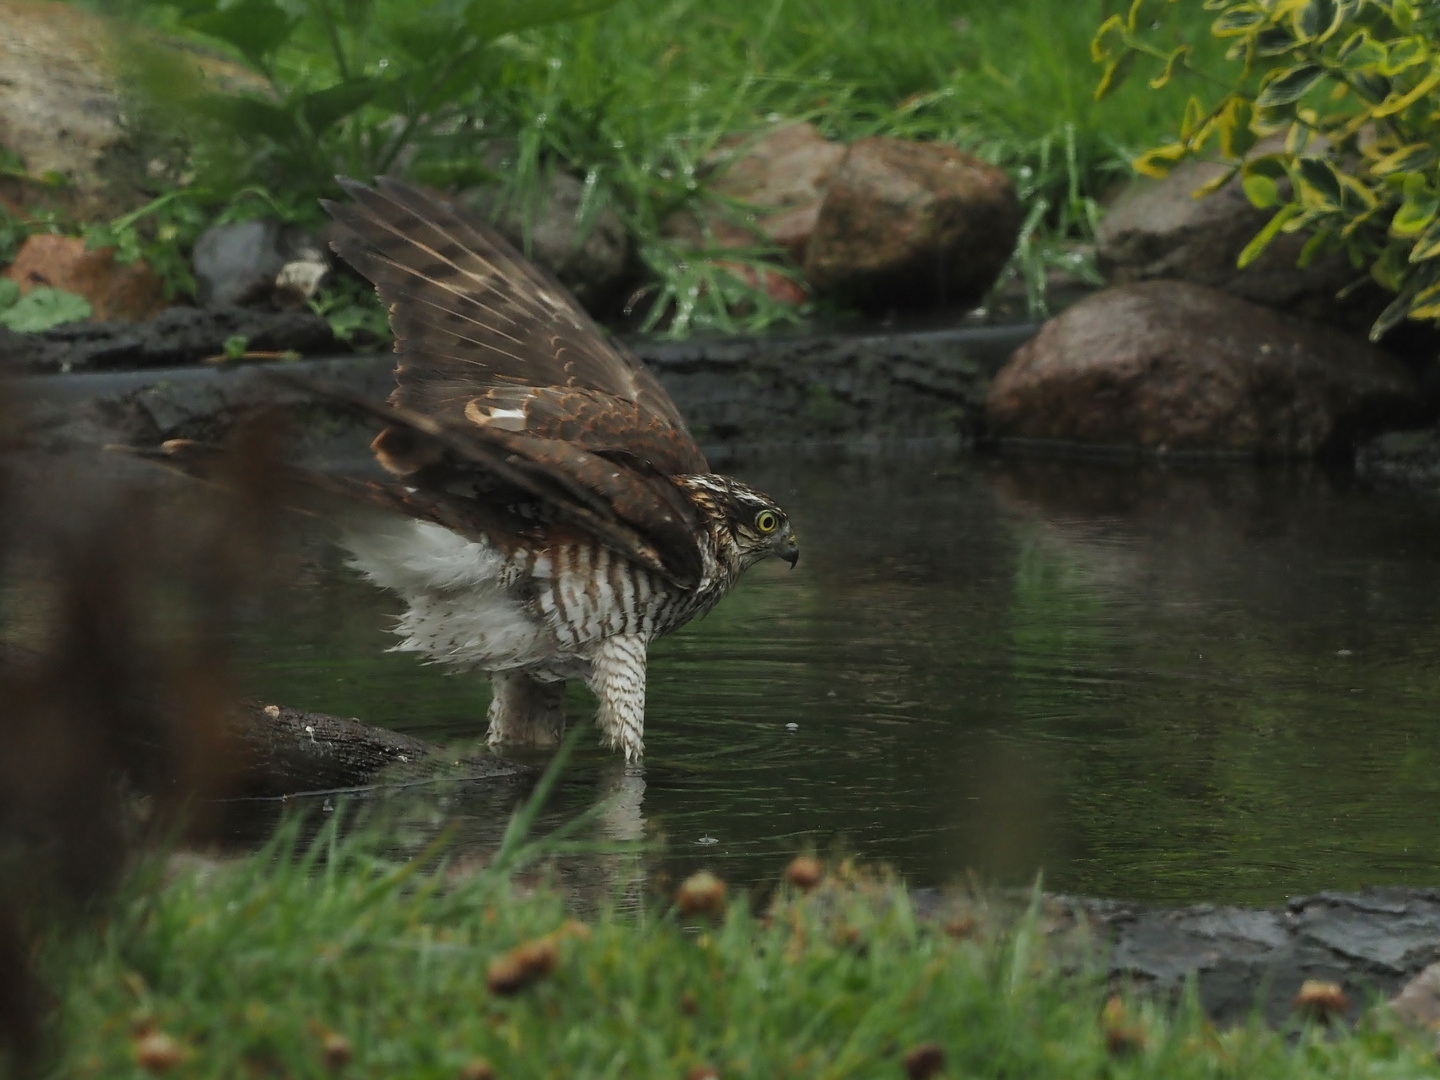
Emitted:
<point x="767" y="521"/>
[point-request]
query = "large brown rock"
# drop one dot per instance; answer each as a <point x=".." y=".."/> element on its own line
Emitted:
<point x="1159" y="230"/>
<point x="115" y="290"/>
<point x="908" y="224"/>
<point x="1172" y="366"/>
<point x="773" y="185"/>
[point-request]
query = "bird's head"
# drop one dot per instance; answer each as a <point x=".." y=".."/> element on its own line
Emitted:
<point x="758" y="527"/>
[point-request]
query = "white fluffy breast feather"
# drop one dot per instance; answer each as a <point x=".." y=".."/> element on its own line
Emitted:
<point x="460" y="611"/>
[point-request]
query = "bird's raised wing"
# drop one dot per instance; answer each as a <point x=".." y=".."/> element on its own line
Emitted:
<point x="485" y="338"/>
<point x="511" y="408"/>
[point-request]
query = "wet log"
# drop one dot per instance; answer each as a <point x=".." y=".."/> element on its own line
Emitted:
<point x="290" y="752"/>
<point x="286" y="751"/>
<point x="283" y="751"/>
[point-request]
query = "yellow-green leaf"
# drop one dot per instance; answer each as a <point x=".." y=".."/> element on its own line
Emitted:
<point x="1261" y="241"/>
<point x="1171" y="62"/>
<point x="1215" y="183"/>
<point x="1428" y="246"/>
<point x="1400" y="102"/>
<point x="1193" y="117"/>
<point x="1239" y="20"/>
<point x="1157" y="162"/>
<point x="1404" y="54"/>
<point x="1317" y="20"/>
<point x="1109" y="41"/>
<point x="1262" y="191"/>
<point x="1115" y="73"/>
<point x="1290" y="85"/>
<point x="1407" y="158"/>
<point x="1312" y="249"/>
<point x="1415" y="215"/>
<point x="1318" y="183"/>
<point x="1236" y="138"/>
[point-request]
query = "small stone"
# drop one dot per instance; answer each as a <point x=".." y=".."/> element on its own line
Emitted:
<point x="272" y="711"/>
<point x="924" y="1061"/>
<point x="961" y="927"/>
<point x="157" y="1052"/>
<point x="1320" y="1000"/>
<point x="257" y="262"/>
<point x="701" y="894"/>
<point x="1122" y="1035"/>
<point x="477" y="1069"/>
<point x="804" y="872"/>
<point x="521" y="966"/>
<point x="335" y="1050"/>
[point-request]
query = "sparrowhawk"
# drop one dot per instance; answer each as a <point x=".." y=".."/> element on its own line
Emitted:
<point x="557" y="514"/>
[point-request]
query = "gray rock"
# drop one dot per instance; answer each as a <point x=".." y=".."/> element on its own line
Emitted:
<point x="1159" y="230"/>
<point x="1167" y="366"/>
<point x="257" y="262"/>
<point x="1240" y="958"/>
<point x="1411" y="457"/>
<point x="590" y="258"/>
<point x="1418" y="1002"/>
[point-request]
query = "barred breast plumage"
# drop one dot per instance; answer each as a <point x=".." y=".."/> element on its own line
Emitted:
<point x="556" y="515"/>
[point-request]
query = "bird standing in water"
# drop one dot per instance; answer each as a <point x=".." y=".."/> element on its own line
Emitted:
<point x="557" y="515"/>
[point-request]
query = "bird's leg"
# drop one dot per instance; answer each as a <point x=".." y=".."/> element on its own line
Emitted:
<point x="617" y="678"/>
<point x="525" y="711"/>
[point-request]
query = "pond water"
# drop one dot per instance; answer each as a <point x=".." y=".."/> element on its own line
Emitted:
<point x="1180" y="684"/>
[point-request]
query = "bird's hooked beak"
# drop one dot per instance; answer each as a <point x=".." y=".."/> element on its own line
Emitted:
<point x="787" y="548"/>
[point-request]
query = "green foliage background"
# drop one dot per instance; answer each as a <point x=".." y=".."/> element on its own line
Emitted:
<point x="1348" y="91"/>
<point x="634" y="99"/>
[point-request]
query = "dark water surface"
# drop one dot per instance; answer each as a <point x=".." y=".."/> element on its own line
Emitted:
<point x="1174" y="685"/>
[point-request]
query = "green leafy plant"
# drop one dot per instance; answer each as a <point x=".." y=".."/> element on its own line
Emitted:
<point x="345" y="86"/>
<point x="40" y="309"/>
<point x="1348" y="90"/>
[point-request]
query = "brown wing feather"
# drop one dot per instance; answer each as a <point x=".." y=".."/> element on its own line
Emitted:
<point x="449" y="467"/>
<point x="475" y="322"/>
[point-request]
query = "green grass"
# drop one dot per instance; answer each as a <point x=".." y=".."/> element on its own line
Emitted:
<point x="637" y="97"/>
<point x="255" y="968"/>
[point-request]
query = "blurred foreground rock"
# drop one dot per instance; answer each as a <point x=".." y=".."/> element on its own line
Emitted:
<point x="1159" y="230"/>
<point x="115" y="290"/>
<point x="1168" y="366"/>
